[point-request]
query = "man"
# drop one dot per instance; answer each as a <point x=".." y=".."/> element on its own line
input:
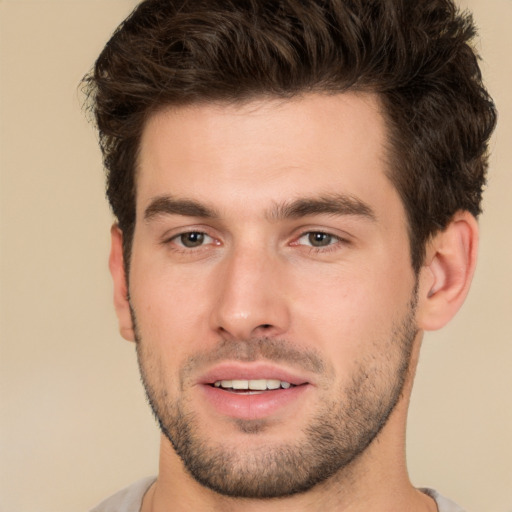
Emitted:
<point x="296" y="186"/>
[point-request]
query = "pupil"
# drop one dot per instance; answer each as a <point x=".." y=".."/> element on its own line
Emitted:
<point x="192" y="239"/>
<point x="319" y="239"/>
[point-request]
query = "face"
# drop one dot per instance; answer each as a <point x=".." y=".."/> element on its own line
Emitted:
<point x="271" y="288"/>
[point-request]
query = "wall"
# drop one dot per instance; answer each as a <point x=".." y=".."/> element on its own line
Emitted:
<point x="74" y="423"/>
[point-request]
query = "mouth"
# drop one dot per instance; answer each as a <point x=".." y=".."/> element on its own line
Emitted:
<point x="253" y="391"/>
<point x="253" y="386"/>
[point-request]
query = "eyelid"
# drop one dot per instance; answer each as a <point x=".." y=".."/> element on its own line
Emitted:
<point x="171" y="236"/>
<point x="334" y="233"/>
<point x="336" y="238"/>
<point x="179" y="235"/>
<point x="339" y="240"/>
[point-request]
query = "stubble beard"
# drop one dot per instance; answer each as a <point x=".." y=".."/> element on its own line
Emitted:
<point x="330" y="443"/>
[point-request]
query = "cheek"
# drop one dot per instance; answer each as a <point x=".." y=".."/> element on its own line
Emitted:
<point x="171" y="307"/>
<point x="347" y="311"/>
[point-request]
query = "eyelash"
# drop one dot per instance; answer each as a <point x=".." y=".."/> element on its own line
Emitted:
<point x="180" y="247"/>
<point x="333" y="246"/>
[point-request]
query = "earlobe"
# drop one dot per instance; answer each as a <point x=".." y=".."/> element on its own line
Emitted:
<point x="446" y="275"/>
<point x="116" y="265"/>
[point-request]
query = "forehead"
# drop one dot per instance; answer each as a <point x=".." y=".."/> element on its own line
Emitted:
<point x="270" y="149"/>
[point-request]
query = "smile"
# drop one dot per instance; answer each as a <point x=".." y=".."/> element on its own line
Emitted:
<point x="254" y="385"/>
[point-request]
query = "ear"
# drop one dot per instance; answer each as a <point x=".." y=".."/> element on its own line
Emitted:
<point x="116" y="265"/>
<point x="446" y="275"/>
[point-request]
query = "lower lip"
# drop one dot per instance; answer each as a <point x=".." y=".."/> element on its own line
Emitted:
<point x="252" y="406"/>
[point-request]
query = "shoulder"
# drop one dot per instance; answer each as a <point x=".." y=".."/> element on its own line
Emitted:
<point x="126" y="500"/>
<point x="443" y="504"/>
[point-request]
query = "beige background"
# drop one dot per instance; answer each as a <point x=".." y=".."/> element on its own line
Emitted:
<point x="74" y="423"/>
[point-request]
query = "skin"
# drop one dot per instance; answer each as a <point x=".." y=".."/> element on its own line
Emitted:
<point x="256" y="275"/>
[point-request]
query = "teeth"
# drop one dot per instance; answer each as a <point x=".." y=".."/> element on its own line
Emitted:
<point x="274" y="384"/>
<point x="257" y="385"/>
<point x="240" y="384"/>
<point x="254" y="385"/>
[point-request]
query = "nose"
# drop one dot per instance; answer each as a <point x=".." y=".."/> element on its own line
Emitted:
<point x="251" y="295"/>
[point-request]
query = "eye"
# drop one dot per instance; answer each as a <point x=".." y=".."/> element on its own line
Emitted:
<point x="318" y="239"/>
<point x="192" y="239"/>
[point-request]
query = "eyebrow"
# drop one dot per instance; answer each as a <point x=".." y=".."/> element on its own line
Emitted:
<point x="167" y="205"/>
<point x="332" y="204"/>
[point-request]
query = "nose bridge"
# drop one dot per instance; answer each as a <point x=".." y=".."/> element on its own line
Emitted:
<point x="251" y="299"/>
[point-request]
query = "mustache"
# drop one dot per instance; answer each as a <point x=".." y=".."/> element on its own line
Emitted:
<point x="269" y="349"/>
<point x="249" y="350"/>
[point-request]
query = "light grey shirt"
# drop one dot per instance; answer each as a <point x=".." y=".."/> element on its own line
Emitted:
<point x="130" y="499"/>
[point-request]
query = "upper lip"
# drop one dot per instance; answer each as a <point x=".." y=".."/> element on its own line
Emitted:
<point x="251" y="371"/>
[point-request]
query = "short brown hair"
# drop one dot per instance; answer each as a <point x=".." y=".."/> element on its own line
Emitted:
<point x="416" y="55"/>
